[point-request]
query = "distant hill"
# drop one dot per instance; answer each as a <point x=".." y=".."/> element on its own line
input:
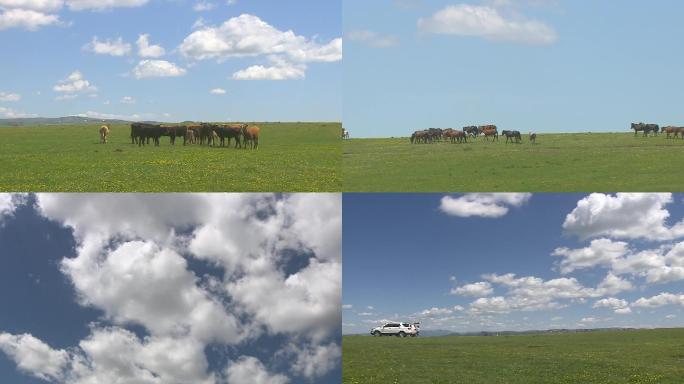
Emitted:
<point x="67" y="120"/>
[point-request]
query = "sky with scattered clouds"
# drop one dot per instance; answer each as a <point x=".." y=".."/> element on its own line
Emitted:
<point x="197" y="288"/>
<point x="172" y="60"/>
<point x="517" y="261"/>
<point x="528" y="65"/>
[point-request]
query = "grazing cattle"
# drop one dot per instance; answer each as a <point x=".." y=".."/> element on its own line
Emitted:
<point x="645" y="128"/>
<point x="513" y="136"/>
<point x="250" y="134"/>
<point x="104" y="133"/>
<point x="214" y="138"/>
<point x="231" y="131"/>
<point x="143" y="132"/>
<point x="533" y="138"/>
<point x="189" y="137"/>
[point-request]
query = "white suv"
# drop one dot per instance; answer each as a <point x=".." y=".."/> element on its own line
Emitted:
<point x="395" y="329"/>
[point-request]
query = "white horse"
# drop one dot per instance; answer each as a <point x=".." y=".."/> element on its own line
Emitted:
<point x="104" y="133"/>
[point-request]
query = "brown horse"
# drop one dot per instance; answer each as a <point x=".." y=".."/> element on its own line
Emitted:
<point x="456" y="136"/>
<point x="250" y="134"/>
<point x="533" y="138"/>
<point x="672" y="131"/>
<point x="104" y="133"/>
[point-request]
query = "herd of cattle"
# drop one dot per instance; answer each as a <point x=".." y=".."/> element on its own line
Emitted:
<point x="433" y="135"/>
<point x="647" y="129"/>
<point x="245" y="135"/>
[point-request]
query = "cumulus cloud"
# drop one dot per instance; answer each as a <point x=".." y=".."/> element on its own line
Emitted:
<point x="9" y="202"/>
<point x="601" y="252"/>
<point x="9" y="97"/>
<point x="623" y="216"/>
<point x="249" y="370"/>
<point x="74" y="85"/>
<point x="147" y="50"/>
<point x="660" y="300"/>
<point x="373" y="39"/>
<point x="218" y="91"/>
<point x="157" y="68"/>
<point x="108" y="47"/>
<point x="131" y="263"/>
<point x="249" y="36"/>
<point x="26" y="19"/>
<point x="277" y="72"/>
<point x="13" y="114"/>
<point x="34" y="5"/>
<point x="489" y="205"/>
<point x="100" y="5"/>
<point x="480" y="289"/>
<point x="486" y="22"/>
<point x="619" y="306"/>
<point x="34" y="356"/>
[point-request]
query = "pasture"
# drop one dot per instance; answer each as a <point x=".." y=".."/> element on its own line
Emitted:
<point x="597" y="162"/>
<point x="292" y="157"/>
<point x="636" y="357"/>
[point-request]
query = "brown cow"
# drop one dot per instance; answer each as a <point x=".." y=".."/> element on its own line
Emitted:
<point x="250" y="134"/>
<point x="104" y="133"/>
<point x="189" y="137"/>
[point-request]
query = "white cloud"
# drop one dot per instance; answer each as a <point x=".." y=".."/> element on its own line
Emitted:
<point x="157" y="68"/>
<point x="203" y="6"/>
<point x="108" y="47"/>
<point x="660" y="300"/>
<point x="278" y="72"/>
<point x="74" y="85"/>
<point x="486" y="22"/>
<point x="490" y="205"/>
<point x="601" y="252"/>
<point x="99" y="5"/>
<point x="315" y="361"/>
<point x="373" y="39"/>
<point x="612" y="285"/>
<point x="9" y="202"/>
<point x="9" y="97"/>
<point x="128" y="100"/>
<point x="625" y="215"/>
<point x="218" y="91"/>
<point x="435" y="312"/>
<point x="12" y="114"/>
<point x="113" y="116"/>
<point x="248" y="36"/>
<point x="44" y="6"/>
<point x="347" y="306"/>
<point x="26" y="18"/>
<point x="147" y="50"/>
<point x="479" y="289"/>
<point x="249" y="370"/>
<point x="131" y="263"/>
<point x="619" y="306"/>
<point x="33" y="356"/>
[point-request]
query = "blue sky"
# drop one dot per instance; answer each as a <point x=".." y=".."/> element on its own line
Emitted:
<point x="236" y="48"/>
<point x="579" y="261"/>
<point x="201" y="271"/>
<point x="529" y="65"/>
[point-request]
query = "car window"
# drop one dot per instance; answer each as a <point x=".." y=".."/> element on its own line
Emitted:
<point x="406" y="325"/>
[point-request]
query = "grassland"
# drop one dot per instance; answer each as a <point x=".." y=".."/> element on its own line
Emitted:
<point x="596" y="162"/>
<point x="639" y="356"/>
<point x="292" y="157"/>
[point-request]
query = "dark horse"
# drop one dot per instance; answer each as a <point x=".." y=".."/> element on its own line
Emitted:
<point x="513" y="136"/>
<point x="646" y="128"/>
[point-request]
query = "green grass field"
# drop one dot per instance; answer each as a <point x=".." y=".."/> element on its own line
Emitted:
<point x="292" y="157"/>
<point x="642" y="356"/>
<point x="596" y="162"/>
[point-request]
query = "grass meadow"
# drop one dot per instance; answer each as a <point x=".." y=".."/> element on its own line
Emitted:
<point x="597" y="162"/>
<point x="292" y="157"/>
<point x="634" y="357"/>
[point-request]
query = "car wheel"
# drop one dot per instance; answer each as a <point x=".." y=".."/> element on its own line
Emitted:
<point x="402" y="334"/>
<point x="376" y="333"/>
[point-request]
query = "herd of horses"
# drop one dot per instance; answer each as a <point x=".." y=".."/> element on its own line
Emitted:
<point x="648" y="129"/>
<point x="245" y="135"/>
<point x="433" y="135"/>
